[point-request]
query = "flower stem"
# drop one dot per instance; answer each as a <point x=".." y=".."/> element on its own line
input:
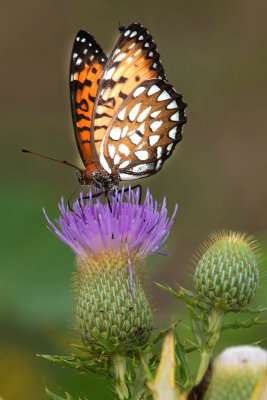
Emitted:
<point x="119" y="366"/>
<point x="214" y="327"/>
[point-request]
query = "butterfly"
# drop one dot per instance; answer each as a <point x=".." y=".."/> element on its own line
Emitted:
<point x="127" y="118"/>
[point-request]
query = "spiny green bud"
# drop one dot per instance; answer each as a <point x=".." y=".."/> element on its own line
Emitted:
<point x="236" y="372"/>
<point x="226" y="273"/>
<point x="111" y="304"/>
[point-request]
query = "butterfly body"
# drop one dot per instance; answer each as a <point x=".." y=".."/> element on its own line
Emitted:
<point x="127" y="118"/>
<point x="104" y="181"/>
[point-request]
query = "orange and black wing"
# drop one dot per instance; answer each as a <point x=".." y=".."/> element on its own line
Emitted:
<point x="144" y="132"/>
<point x="86" y="68"/>
<point x="134" y="59"/>
<point x="139" y="114"/>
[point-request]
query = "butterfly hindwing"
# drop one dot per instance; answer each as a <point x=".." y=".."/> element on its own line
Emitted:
<point x="86" y="67"/>
<point x="133" y="60"/>
<point x="144" y="132"/>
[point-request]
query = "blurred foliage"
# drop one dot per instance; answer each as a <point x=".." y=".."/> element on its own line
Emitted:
<point x="214" y="53"/>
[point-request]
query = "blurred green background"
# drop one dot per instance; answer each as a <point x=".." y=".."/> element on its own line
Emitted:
<point x="215" y="54"/>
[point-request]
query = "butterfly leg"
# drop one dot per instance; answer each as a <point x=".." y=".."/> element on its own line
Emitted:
<point x="108" y="201"/>
<point x="71" y="196"/>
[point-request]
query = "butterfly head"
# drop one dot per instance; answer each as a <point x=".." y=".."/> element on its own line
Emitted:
<point x="81" y="178"/>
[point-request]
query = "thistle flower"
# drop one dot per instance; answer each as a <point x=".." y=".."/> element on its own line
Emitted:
<point x="236" y="372"/>
<point x="111" y="243"/>
<point x="226" y="274"/>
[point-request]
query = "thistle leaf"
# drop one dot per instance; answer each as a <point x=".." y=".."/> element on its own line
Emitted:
<point x="53" y="396"/>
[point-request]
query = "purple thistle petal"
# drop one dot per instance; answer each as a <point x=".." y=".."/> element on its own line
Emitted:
<point x="92" y="227"/>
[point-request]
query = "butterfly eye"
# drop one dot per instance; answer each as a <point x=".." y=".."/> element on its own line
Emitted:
<point x="80" y="178"/>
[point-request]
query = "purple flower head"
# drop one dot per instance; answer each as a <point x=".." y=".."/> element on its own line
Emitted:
<point x="132" y="227"/>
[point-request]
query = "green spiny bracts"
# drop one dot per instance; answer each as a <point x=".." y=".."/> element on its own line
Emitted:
<point x="226" y="273"/>
<point x="236" y="372"/>
<point x="111" y="305"/>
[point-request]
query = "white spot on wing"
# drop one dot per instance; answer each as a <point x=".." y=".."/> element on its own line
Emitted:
<point x="141" y="128"/>
<point x="121" y="114"/>
<point x="141" y="37"/>
<point x="142" y="154"/>
<point x="172" y="133"/>
<point x="111" y="150"/>
<point x="133" y="34"/>
<point x="83" y="40"/>
<point x="115" y="133"/>
<point x="159" y="164"/>
<point x="175" y="117"/>
<point x="109" y="73"/>
<point x="85" y="51"/>
<point x="171" y="105"/>
<point x="127" y="32"/>
<point x="124" y="164"/>
<point x="78" y="38"/>
<point x="120" y="57"/>
<point x="130" y="177"/>
<point x="170" y="146"/>
<point x="164" y="96"/>
<point x="124" y="149"/>
<point x="74" y="55"/>
<point x="134" y="111"/>
<point x="146" y="44"/>
<point x="135" y="138"/>
<point x="117" y="159"/>
<point x="102" y="158"/>
<point x="155" y="113"/>
<point x="154" y="89"/>
<point x="116" y="52"/>
<point x="138" y="91"/>
<point x="79" y="61"/>
<point x="143" y="114"/>
<point x="142" y="167"/>
<point x="153" y="139"/>
<point x="155" y="65"/>
<point x="150" y="54"/>
<point x="124" y="131"/>
<point x="159" y="152"/>
<point x="155" y="125"/>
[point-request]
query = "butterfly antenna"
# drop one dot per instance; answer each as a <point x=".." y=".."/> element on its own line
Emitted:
<point x="50" y="158"/>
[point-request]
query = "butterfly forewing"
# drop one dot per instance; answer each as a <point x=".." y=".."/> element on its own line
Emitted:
<point x="134" y="59"/>
<point x="144" y="131"/>
<point x="86" y="67"/>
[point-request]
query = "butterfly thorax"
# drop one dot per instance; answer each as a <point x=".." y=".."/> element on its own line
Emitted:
<point x="101" y="179"/>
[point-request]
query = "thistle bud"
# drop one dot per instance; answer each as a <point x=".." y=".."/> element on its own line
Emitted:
<point x="110" y="305"/>
<point x="236" y="372"/>
<point x="226" y="273"/>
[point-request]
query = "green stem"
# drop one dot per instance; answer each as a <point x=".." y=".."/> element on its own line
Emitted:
<point x="119" y="366"/>
<point x="138" y="388"/>
<point x="214" y="328"/>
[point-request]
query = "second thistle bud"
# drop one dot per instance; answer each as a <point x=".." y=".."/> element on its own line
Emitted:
<point x="227" y="273"/>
